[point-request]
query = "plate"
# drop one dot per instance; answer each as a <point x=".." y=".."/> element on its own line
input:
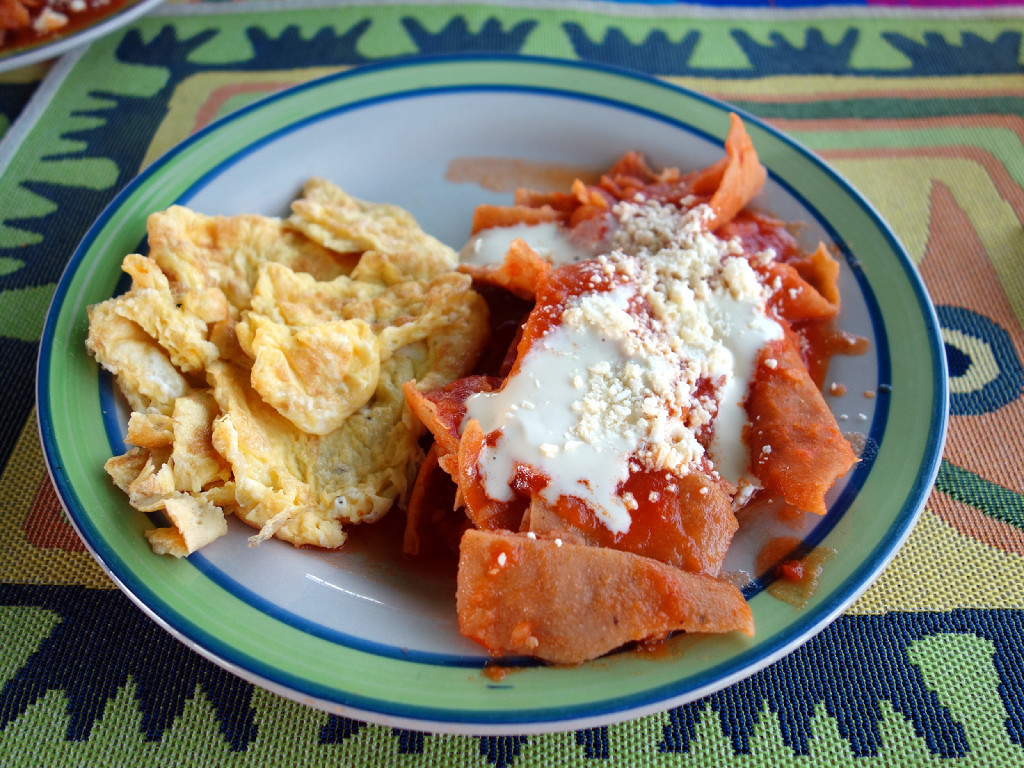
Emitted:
<point x="365" y="634"/>
<point x="77" y="33"/>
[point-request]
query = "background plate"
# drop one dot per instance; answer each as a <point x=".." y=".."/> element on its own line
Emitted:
<point x="369" y="635"/>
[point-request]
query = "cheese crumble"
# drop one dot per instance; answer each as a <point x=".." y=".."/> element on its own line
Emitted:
<point x="673" y="308"/>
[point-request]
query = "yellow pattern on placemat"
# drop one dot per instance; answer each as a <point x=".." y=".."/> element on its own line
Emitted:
<point x="940" y="569"/>
<point x="22" y="562"/>
<point x="906" y="207"/>
<point x="186" y="110"/>
<point x="798" y="88"/>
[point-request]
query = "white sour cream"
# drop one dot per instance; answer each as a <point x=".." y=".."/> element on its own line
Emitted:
<point x="549" y="240"/>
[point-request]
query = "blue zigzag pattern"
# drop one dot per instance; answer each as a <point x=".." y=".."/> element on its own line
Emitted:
<point x="858" y="662"/>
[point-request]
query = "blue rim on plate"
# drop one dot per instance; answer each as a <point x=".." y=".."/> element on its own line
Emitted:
<point x="415" y="679"/>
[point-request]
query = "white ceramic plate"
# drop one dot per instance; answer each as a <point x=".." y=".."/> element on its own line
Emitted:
<point x="22" y="54"/>
<point x="370" y="636"/>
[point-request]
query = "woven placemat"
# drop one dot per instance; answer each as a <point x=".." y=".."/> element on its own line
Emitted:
<point x="922" y="113"/>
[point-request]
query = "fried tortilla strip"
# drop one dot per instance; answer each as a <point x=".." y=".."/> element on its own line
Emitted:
<point x="536" y="211"/>
<point x="690" y="528"/>
<point x="800" y="451"/>
<point x="735" y="179"/>
<point x="821" y="270"/>
<point x="481" y="509"/>
<point x="418" y="502"/>
<point x="567" y="603"/>
<point x="794" y="298"/>
<point x="521" y="271"/>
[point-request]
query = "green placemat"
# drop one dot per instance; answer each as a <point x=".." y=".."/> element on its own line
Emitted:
<point x="921" y="112"/>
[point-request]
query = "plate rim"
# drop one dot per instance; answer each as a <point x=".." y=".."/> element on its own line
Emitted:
<point x="526" y="720"/>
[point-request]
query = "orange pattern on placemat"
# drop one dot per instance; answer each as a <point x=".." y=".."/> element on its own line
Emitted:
<point x="1012" y="123"/>
<point x="809" y="88"/>
<point x="46" y="526"/>
<point x="955" y="249"/>
<point x="977" y="525"/>
<point x="211" y="109"/>
<point x="38" y="551"/>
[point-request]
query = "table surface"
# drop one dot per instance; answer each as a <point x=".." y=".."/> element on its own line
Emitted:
<point x="920" y="107"/>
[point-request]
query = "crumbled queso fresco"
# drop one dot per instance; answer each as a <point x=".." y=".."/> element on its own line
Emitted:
<point x="615" y="381"/>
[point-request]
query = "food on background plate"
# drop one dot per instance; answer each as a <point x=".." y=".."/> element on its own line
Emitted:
<point x="263" y="361"/>
<point x="24" y="22"/>
<point x="663" y="375"/>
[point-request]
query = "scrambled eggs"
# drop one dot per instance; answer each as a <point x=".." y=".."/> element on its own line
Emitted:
<point x="263" y="360"/>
